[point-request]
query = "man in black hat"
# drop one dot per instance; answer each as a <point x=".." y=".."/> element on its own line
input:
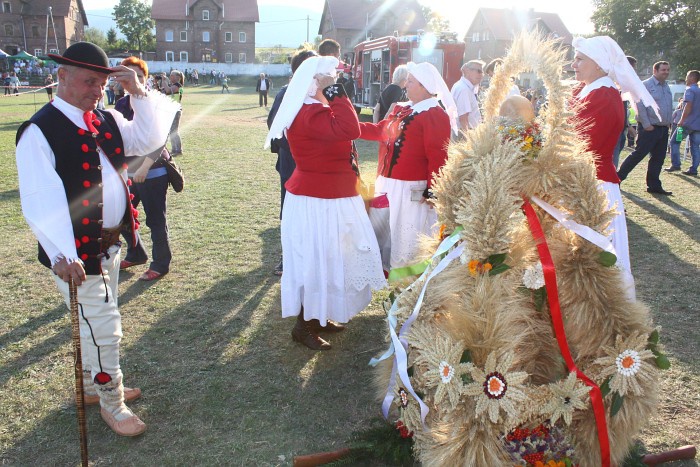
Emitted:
<point x="71" y="161"/>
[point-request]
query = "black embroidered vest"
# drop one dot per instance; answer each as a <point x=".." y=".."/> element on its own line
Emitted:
<point x="79" y="167"/>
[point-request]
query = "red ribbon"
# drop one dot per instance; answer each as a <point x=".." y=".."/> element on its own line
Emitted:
<point x="550" y="280"/>
<point x="89" y="118"/>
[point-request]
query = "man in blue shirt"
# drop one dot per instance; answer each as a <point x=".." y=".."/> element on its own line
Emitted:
<point x="653" y="130"/>
<point x="690" y="120"/>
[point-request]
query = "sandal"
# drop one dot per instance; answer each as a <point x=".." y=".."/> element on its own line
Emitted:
<point x="150" y="275"/>
<point x="124" y="264"/>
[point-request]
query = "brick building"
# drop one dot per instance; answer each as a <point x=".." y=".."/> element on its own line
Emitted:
<point x="353" y="21"/>
<point x="24" y="25"/>
<point x="198" y="31"/>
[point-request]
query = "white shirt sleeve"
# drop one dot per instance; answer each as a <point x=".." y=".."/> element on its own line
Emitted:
<point x="148" y="131"/>
<point x="42" y="195"/>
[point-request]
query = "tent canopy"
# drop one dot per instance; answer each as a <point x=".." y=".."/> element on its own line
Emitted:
<point x="3" y="54"/>
<point x="22" y="55"/>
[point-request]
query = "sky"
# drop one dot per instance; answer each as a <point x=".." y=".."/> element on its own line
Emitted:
<point x="576" y="15"/>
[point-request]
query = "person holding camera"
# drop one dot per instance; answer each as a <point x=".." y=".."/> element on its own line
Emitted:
<point x="173" y="87"/>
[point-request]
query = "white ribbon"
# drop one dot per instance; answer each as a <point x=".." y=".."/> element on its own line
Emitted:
<point x="596" y="238"/>
<point x="400" y="343"/>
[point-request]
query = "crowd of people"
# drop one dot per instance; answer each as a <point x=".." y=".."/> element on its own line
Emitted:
<point x="332" y="260"/>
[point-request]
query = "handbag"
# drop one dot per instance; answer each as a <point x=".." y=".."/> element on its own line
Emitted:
<point x="375" y="114"/>
<point x="175" y="176"/>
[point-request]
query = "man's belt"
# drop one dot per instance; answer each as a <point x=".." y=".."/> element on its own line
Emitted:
<point x="109" y="237"/>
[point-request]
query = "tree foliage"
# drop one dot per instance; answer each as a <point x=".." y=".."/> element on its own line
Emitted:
<point x="133" y="18"/>
<point x="653" y="30"/>
<point x="436" y="23"/>
<point x="96" y="36"/>
<point x="112" y="36"/>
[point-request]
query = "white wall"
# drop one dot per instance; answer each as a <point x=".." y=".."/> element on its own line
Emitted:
<point x="235" y="69"/>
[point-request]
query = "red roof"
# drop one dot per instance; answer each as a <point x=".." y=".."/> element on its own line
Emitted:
<point x="233" y="10"/>
<point x="353" y="14"/>
<point x="504" y="24"/>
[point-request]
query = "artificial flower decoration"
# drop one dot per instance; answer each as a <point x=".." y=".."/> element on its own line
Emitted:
<point x="568" y="395"/>
<point x="442" y="357"/>
<point x="528" y="135"/>
<point x="628" y="365"/>
<point x="533" y="277"/>
<point x="476" y="267"/>
<point x="495" y="388"/>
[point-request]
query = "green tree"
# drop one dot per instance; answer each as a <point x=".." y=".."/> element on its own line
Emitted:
<point x="96" y="36"/>
<point x="653" y="30"/>
<point x="133" y="18"/>
<point x="436" y="23"/>
<point x="112" y="36"/>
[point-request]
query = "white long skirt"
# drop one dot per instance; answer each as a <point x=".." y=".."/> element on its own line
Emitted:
<point x="407" y="219"/>
<point x="618" y="237"/>
<point x="331" y="258"/>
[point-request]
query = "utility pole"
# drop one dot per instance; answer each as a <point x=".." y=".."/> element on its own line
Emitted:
<point x="307" y="28"/>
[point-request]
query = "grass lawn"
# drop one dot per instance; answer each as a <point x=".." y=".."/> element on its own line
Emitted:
<point x="223" y="382"/>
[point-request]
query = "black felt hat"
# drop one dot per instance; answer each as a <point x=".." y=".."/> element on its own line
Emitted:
<point x="84" y="55"/>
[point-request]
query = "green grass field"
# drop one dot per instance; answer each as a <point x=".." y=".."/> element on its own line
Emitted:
<point x="223" y="383"/>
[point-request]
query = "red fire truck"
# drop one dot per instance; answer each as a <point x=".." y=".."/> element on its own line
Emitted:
<point x="375" y="60"/>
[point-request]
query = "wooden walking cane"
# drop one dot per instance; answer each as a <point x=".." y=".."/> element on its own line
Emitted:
<point x="79" y="393"/>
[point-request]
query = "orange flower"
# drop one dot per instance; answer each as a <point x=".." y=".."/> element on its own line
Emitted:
<point x="487" y="267"/>
<point x="443" y="227"/>
<point x="539" y="464"/>
<point x="474" y="267"/>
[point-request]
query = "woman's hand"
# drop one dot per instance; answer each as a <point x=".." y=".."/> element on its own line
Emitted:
<point x="140" y="175"/>
<point x="324" y="81"/>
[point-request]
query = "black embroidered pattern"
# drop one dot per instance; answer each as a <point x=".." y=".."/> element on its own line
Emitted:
<point x="398" y="143"/>
<point x="355" y="160"/>
<point x="333" y="91"/>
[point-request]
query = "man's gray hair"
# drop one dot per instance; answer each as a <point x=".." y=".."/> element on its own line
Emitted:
<point x="400" y="74"/>
<point x="472" y="63"/>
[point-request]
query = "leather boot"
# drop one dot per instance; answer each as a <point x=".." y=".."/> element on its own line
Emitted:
<point x="114" y="412"/>
<point x="331" y="326"/>
<point x="304" y="333"/>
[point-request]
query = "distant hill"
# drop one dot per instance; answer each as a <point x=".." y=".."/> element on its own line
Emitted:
<point x="102" y="20"/>
<point x="279" y="24"/>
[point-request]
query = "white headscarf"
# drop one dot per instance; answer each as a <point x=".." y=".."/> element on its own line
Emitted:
<point x="612" y="60"/>
<point x="430" y="78"/>
<point x="302" y="85"/>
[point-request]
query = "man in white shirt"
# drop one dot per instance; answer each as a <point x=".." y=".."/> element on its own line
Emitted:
<point x="75" y="197"/>
<point x="464" y="93"/>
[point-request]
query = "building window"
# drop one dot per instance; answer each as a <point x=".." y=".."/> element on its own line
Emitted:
<point x="35" y="31"/>
<point x="241" y="37"/>
<point x="6" y="7"/>
<point x="205" y="15"/>
<point x="228" y="37"/>
<point x="53" y="51"/>
<point x="183" y="57"/>
<point x="9" y="30"/>
<point x="348" y="42"/>
<point x="183" y="36"/>
<point x="205" y="36"/>
<point x="169" y="56"/>
<point x="229" y="57"/>
<point x="38" y="52"/>
<point x="475" y="37"/>
<point x="486" y="35"/>
<point x="241" y="57"/>
<point x="168" y="35"/>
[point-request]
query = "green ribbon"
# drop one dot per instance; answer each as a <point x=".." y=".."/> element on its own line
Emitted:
<point x="419" y="268"/>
